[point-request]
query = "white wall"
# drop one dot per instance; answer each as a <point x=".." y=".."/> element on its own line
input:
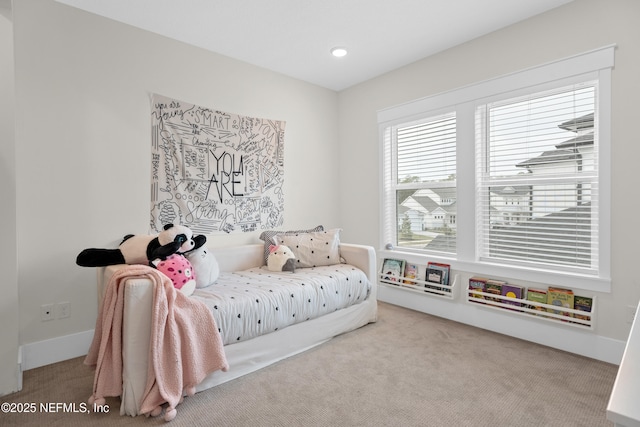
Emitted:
<point x="574" y="28"/>
<point x="82" y="138"/>
<point x="83" y="86"/>
<point x="9" y="377"/>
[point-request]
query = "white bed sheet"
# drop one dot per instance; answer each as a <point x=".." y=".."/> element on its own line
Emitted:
<point x="254" y="302"/>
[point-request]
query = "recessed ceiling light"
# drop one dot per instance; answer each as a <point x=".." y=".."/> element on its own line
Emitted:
<point x="338" y="52"/>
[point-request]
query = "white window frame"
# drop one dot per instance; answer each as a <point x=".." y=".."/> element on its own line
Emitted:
<point x="592" y="65"/>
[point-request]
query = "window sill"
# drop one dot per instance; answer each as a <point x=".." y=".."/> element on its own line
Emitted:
<point x="513" y="274"/>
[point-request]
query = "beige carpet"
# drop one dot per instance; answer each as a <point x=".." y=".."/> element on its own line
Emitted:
<point x="408" y="369"/>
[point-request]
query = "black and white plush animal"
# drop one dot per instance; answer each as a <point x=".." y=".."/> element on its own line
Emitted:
<point x="281" y="258"/>
<point x="142" y="249"/>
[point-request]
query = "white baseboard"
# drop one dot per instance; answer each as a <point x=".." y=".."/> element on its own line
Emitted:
<point x="562" y="337"/>
<point x="41" y="353"/>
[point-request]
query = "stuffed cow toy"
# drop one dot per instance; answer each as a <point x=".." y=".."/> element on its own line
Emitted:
<point x="281" y="258"/>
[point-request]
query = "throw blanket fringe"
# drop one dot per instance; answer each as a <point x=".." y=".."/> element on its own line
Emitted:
<point x="185" y="344"/>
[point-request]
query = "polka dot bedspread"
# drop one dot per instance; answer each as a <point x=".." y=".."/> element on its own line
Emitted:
<point x="257" y="301"/>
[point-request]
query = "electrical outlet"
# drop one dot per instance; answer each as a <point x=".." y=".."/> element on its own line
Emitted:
<point x="631" y="313"/>
<point x="46" y="312"/>
<point x="63" y="310"/>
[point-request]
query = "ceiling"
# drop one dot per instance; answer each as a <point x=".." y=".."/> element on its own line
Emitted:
<point x="294" y="37"/>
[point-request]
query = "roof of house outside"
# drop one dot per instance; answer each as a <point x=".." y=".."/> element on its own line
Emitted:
<point x="511" y="190"/>
<point x="431" y="205"/>
<point x="578" y="123"/>
<point x="573" y="226"/>
<point x="565" y="150"/>
<point x="578" y="141"/>
<point x="548" y="157"/>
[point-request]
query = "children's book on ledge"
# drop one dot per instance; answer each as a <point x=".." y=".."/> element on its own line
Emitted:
<point x="519" y="296"/>
<point x="435" y="276"/>
<point x="410" y="274"/>
<point x="392" y="271"/>
<point x="437" y="273"/>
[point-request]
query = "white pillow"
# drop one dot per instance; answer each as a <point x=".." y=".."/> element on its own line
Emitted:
<point x="268" y="236"/>
<point x="313" y="249"/>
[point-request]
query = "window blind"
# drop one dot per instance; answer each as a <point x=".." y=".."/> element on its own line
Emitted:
<point x="537" y="176"/>
<point x="426" y="151"/>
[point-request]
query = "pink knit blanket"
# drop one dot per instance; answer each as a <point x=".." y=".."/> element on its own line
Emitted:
<point x="185" y="343"/>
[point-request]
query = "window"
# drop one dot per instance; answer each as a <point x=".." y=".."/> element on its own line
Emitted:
<point x="423" y="183"/>
<point x="537" y="179"/>
<point x="507" y="177"/>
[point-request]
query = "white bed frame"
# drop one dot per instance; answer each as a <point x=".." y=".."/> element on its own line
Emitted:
<point x="246" y="356"/>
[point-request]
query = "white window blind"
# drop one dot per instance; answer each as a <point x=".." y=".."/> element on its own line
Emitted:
<point x="426" y="151"/>
<point x="537" y="182"/>
<point x="420" y="196"/>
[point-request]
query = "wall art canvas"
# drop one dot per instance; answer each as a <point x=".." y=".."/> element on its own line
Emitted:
<point x="215" y="172"/>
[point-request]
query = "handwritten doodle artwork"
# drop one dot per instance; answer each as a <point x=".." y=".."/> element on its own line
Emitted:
<point x="214" y="171"/>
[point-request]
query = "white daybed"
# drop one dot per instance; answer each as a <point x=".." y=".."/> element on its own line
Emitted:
<point x="244" y="356"/>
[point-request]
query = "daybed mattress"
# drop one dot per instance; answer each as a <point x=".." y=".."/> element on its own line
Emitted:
<point x="254" y="302"/>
